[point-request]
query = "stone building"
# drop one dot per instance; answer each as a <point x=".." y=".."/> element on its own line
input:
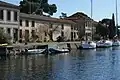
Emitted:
<point x="84" y="24"/>
<point x="28" y="27"/>
<point x="46" y="28"/>
<point x="9" y="19"/>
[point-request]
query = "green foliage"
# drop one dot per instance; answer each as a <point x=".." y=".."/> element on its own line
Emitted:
<point x="63" y="15"/>
<point x="110" y="24"/>
<point x="106" y="21"/>
<point x="37" y="7"/>
<point x="102" y="30"/>
<point x="96" y="37"/>
<point x="4" y="37"/>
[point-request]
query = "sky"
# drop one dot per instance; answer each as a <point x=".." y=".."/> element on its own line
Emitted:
<point x="101" y="8"/>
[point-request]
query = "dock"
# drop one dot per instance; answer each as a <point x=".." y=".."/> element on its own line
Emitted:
<point x="15" y="49"/>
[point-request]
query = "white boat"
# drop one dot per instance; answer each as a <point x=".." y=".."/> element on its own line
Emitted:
<point x="36" y="51"/>
<point x="40" y="49"/>
<point x="88" y="45"/>
<point x="58" y="51"/>
<point x="104" y="43"/>
<point x="116" y="43"/>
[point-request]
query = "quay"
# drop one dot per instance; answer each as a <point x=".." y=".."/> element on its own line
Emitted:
<point x="72" y="45"/>
<point x="19" y="47"/>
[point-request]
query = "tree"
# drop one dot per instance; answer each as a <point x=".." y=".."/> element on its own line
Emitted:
<point x="114" y="32"/>
<point x="102" y="30"/>
<point x="37" y="7"/>
<point x="110" y="24"/>
<point x="4" y="37"/>
<point x="105" y="21"/>
<point x="63" y="15"/>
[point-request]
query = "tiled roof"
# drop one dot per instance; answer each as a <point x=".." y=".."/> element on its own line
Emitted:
<point x="45" y="18"/>
<point x="9" y="5"/>
<point x="80" y="14"/>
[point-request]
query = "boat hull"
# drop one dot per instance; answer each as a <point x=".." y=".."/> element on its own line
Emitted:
<point x="116" y="43"/>
<point x="35" y="51"/>
<point x="105" y="44"/>
<point x="58" y="51"/>
<point x="88" y="45"/>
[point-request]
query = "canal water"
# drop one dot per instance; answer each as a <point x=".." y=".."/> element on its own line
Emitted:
<point x="99" y="64"/>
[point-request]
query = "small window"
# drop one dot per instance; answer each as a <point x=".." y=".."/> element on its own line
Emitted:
<point x="1" y="14"/>
<point x="33" y="33"/>
<point x="74" y="35"/>
<point x="1" y="29"/>
<point x="71" y="27"/>
<point x="20" y="22"/>
<point x="75" y="28"/>
<point x="33" y="23"/>
<point x="62" y="26"/>
<point x="62" y="34"/>
<point x="8" y="30"/>
<point x="20" y="34"/>
<point x="15" y="16"/>
<point x="26" y="23"/>
<point x="8" y="15"/>
<point x="50" y="25"/>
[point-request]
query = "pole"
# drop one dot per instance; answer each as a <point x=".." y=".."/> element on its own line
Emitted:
<point x="116" y="18"/>
<point x="91" y="8"/>
<point x="91" y="17"/>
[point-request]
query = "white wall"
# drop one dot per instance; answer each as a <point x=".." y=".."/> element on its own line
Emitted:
<point x="57" y="32"/>
<point x="42" y="26"/>
<point x="67" y="31"/>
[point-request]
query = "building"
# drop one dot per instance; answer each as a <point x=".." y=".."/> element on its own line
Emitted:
<point x="46" y="28"/>
<point x="85" y="25"/>
<point x="31" y="27"/>
<point x="9" y="19"/>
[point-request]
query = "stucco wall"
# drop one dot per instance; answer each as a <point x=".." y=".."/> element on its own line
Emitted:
<point x="67" y="31"/>
<point x="57" y="31"/>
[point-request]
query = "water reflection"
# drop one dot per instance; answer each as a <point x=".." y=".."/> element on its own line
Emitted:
<point x="98" y="64"/>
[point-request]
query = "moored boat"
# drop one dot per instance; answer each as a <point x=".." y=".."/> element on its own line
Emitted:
<point x="35" y="51"/>
<point x="88" y="45"/>
<point x="104" y="44"/>
<point x="41" y="49"/>
<point x="57" y="51"/>
<point x="116" y="43"/>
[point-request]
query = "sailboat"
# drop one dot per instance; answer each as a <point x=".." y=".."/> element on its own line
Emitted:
<point x="89" y="44"/>
<point x="104" y="44"/>
<point x="116" y="42"/>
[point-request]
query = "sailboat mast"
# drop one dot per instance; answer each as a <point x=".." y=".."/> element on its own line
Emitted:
<point x="116" y="18"/>
<point x="91" y="8"/>
<point x="91" y="17"/>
